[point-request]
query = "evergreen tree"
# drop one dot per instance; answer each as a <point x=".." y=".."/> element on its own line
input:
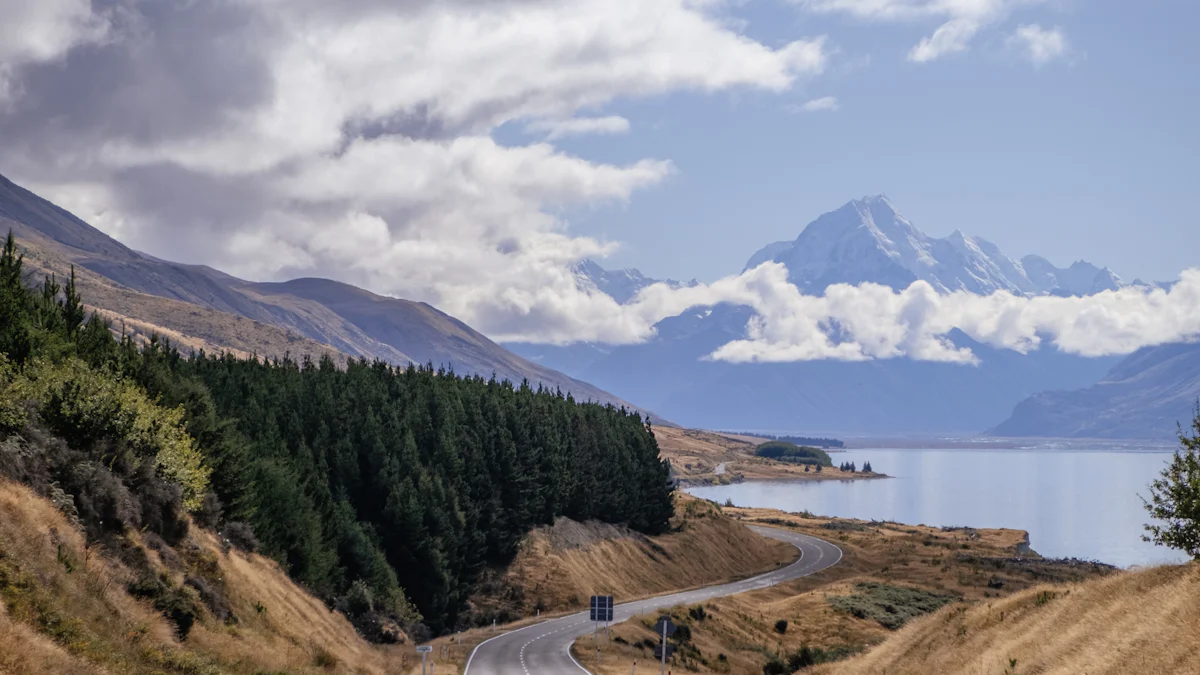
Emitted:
<point x="1175" y="497"/>
<point x="73" y="313"/>
<point x="14" y="328"/>
<point x="369" y="482"/>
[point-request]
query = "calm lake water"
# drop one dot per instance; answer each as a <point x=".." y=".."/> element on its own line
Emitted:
<point x="1080" y="503"/>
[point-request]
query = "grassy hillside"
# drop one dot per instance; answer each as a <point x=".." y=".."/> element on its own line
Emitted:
<point x="560" y="566"/>
<point x="65" y="606"/>
<point x="203" y="307"/>
<point x="890" y="574"/>
<point x="1145" y="622"/>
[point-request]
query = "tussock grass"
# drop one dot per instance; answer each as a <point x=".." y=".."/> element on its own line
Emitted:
<point x="559" y="567"/>
<point x="65" y="607"/>
<point x="1145" y="622"/>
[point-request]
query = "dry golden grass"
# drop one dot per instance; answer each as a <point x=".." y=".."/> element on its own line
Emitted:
<point x="562" y="566"/>
<point x="67" y="609"/>
<point x="23" y="651"/>
<point x="742" y="627"/>
<point x="187" y="325"/>
<point x="695" y="455"/>
<point x="1145" y="622"/>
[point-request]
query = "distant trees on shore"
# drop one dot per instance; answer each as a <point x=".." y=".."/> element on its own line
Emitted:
<point x="797" y="440"/>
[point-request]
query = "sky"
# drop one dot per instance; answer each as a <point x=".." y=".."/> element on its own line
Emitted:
<point x="469" y="152"/>
<point x="1090" y="154"/>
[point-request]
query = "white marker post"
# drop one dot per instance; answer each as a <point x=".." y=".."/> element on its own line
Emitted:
<point x="424" y="651"/>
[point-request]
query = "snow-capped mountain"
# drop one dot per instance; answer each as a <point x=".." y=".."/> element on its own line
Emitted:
<point x="868" y="240"/>
<point x="621" y="285"/>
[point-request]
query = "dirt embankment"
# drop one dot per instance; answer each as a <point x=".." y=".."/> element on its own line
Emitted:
<point x="890" y="573"/>
<point x="1145" y="622"/>
<point x="560" y="567"/>
<point x="696" y="456"/>
<point x="66" y="608"/>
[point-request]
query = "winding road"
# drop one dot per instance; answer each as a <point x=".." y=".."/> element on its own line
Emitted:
<point x="545" y="648"/>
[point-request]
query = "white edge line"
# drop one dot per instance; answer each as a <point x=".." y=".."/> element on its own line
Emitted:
<point x="572" y="657"/>
<point x="511" y="632"/>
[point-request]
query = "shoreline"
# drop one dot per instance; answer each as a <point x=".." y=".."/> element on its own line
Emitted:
<point x="687" y="483"/>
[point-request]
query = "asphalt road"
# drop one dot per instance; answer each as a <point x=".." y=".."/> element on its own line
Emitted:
<point x="544" y="648"/>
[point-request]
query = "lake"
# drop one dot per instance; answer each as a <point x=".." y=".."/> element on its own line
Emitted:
<point x="1074" y="502"/>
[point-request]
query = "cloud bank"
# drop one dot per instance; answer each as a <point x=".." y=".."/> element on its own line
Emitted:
<point x="354" y="140"/>
<point x="870" y="321"/>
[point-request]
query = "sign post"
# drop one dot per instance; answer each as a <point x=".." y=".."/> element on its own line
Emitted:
<point x="424" y="650"/>
<point x="666" y="628"/>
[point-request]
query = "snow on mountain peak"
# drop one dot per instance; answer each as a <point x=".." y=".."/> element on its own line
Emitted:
<point x="869" y="240"/>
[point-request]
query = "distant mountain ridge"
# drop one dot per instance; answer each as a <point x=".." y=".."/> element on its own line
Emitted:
<point x="1146" y="395"/>
<point x="202" y="307"/>
<point x="865" y="240"/>
<point x="868" y="240"/>
<point x="621" y="285"/>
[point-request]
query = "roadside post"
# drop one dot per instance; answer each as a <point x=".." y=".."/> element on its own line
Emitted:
<point x="424" y="650"/>
<point x="666" y="628"/>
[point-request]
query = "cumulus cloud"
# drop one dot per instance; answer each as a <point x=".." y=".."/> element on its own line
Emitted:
<point x="960" y="20"/>
<point x="578" y="126"/>
<point x="823" y="104"/>
<point x="354" y="140"/>
<point x="869" y="321"/>
<point x="1039" y="45"/>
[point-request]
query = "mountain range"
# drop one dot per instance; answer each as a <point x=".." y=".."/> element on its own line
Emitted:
<point x="868" y="240"/>
<point x="200" y="307"/>
<point x="1047" y="393"/>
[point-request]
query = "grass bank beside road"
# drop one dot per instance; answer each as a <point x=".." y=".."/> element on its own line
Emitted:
<point x="891" y="575"/>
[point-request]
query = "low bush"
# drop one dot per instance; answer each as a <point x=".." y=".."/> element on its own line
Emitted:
<point x="890" y="606"/>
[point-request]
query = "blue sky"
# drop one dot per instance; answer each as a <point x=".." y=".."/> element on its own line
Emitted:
<point x="1093" y="155"/>
<point x="469" y="153"/>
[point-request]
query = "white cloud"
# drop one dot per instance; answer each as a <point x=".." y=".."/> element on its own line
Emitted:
<point x="277" y="138"/>
<point x="869" y="321"/>
<point x="950" y="38"/>
<point x="578" y="126"/>
<point x="960" y="20"/>
<point x="823" y="104"/>
<point x="1039" y="45"/>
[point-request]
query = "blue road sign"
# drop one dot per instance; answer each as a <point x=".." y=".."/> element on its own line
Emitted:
<point x="602" y="608"/>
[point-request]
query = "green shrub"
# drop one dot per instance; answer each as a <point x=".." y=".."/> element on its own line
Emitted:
<point x="891" y="606"/>
<point x="85" y="406"/>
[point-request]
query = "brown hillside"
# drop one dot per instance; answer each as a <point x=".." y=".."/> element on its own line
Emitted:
<point x="561" y="566"/>
<point x="1145" y="622"/>
<point x="977" y="566"/>
<point x="64" y="608"/>
<point x="209" y="307"/>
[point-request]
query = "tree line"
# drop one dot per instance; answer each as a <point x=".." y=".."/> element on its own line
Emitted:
<point x="384" y="490"/>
